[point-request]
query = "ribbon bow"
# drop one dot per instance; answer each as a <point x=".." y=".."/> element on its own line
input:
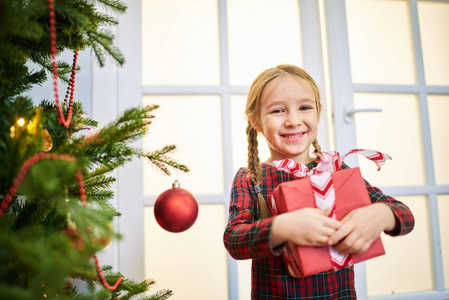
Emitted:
<point x="323" y="187"/>
<point x="329" y="161"/>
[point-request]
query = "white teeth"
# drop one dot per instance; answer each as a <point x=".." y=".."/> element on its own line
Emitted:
<point x="293" y="136"/>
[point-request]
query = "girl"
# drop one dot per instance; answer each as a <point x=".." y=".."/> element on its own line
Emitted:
<point x="284" y="105"/>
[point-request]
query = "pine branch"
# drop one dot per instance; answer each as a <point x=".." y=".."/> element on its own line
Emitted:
<point x="128" y="288"/>
<point x="24" y="34"/>
<point x="31" y="261"/>
<point x="101" y="42"/>
<point x="22" y="82"/>
<point x="64" y="68"/>
<point x="101" y="171"/>
<point x="106" y="19"/>
<point x="160" y="295"/>
<point x="99" y="196"/>
<point x="115" y="5"/>
<point x="160" y="160"/>
<point x="128" y="128"/>
<point x="109" y="145"/>
<point x="89" y="220"/>
<point x="98" y="183"/>
<point x="69" y="290"/>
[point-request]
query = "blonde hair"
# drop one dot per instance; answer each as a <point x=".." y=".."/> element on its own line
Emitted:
<point x="252" y="112"/>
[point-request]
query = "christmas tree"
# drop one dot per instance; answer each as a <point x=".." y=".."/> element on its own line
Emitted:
<point x="55" y="181"/>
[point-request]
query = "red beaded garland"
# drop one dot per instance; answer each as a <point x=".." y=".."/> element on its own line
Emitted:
<point x="66" y="121"/>
<point x="102" y="279"/>
<point x="71" y="88"/>
<point x="24" y="169"/>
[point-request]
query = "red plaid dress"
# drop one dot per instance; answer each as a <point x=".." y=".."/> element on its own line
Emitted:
<point x="248" y="237"/>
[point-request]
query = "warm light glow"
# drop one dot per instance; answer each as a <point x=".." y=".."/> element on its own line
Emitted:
<point x="13" y="132"/>
<point x="21" y="121"/>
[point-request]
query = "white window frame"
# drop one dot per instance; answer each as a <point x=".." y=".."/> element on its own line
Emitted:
<point x="343" y="89"/>
<point x="115" y="89"/>
<point x="312" y="52"/>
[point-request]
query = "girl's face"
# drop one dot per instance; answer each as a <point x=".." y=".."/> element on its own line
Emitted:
<point x="288" y="118"/>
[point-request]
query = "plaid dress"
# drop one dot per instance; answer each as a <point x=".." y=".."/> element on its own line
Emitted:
<point x="248" y="237"/>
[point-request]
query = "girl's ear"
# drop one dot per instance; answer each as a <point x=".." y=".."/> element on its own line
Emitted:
<point x="255" y="124"/>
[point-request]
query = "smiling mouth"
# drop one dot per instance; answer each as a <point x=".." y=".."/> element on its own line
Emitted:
<point x="293" y="135"/>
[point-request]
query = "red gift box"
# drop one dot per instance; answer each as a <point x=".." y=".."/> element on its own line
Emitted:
<point x="350" y="193"/>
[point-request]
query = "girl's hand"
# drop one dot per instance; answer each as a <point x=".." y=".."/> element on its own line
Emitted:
<point x="361" y="227"/>
<point x="305" y="227"/>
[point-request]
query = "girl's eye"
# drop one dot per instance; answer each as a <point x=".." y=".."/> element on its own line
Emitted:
<point x="276" y="111"/>
<point x="305" y="107"/>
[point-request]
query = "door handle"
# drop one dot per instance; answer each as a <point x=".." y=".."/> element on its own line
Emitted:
<point x="349" y="112"/>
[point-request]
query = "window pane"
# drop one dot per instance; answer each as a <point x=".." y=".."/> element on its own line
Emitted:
<point x="380" y="40"/>
<point x="394" y="131"/>
<point x="262" y="34"/>
<point x="180" y="42"/>
<point x="244" y="271"/>
<point x="239" y="140"/>
<point x="439" y="127"/>
<point x="443" y="211"/>
<point x="405" y="272"/>
<point x="434" y="26"/>
<point x="191" y="263"/>
<point x="193" y="124"/>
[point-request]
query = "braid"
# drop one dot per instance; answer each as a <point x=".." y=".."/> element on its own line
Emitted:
<point x="317" y="150"/>
<point x="255" y="170"/>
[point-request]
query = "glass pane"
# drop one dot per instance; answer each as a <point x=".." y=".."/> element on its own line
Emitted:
<point x="191" y="263"/>
<point x="395" y="131"/>
<point x="439" y="128"/>
<point x="193" y="124"/>
<point x="239" y="140"/>
<point x="434" y="26"/>
<point x="262" y="34"/>
<point x="443" y="211"/>
<point x="244" y="271"/>
<point x="180" y="42"/>
<point x="400" y="265"/>
<point x="380" y="40"/>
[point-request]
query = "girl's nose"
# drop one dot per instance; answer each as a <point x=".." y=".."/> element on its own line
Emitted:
<point x="293" y="119"/>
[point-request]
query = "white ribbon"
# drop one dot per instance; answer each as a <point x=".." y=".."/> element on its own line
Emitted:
<point x="330" y="161"/>
<point x="324" y="193"/>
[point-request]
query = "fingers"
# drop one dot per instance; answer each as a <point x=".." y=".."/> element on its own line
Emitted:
<point x="343" y="231"/>
<point x="328" y="221"/>
<point x="320" y="241"/>
<point x="310" y="227"/>
<point x="355" y="234"/>
<point x="352" y="246"/>
<point x="326" y="212"/>
<point x="324" y="227"/>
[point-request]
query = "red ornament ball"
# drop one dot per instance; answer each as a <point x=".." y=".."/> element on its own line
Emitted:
<point x="176" y="209"/>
